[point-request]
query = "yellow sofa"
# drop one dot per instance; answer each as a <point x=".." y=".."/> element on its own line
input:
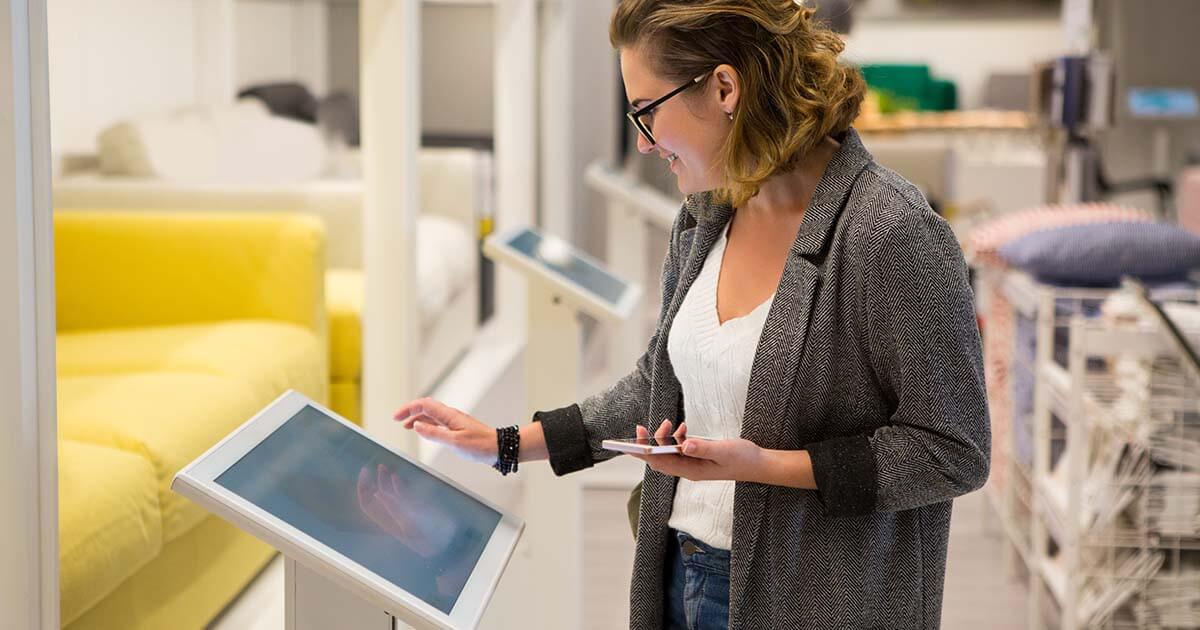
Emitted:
<point x="455" y="190"/>
<point x="173" y="329"/>
<point x="344" y="290"/>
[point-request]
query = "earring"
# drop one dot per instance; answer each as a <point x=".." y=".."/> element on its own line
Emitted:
<point x="730" y="115"/>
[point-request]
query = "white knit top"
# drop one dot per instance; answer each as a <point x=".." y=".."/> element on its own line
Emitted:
<point x="712" y="362"/>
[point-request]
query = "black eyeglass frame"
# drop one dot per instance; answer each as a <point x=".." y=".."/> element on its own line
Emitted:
<point x="635" y="116"/>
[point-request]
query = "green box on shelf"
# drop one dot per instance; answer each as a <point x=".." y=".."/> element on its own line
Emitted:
<point x="910" y="86"/>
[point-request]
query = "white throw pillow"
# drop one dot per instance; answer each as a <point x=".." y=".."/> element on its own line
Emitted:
<point x="446" y="254"/>
<point x="239" y="144"/>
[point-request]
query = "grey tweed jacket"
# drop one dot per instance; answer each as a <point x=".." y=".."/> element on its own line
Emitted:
<point x="870" y="359"/>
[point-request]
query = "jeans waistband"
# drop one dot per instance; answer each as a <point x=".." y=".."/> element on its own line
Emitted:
<point x="699" y="554"/>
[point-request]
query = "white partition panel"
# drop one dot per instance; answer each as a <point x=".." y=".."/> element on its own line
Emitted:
<point x="556" y="121"/>
<point x="516" y="133"/>
<point x="28" y="452"/>
<point x="390" y="68"/>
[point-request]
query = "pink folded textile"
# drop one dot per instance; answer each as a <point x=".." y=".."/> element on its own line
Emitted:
<point x="1187" y="199"/>
<point x="985" y="240"/>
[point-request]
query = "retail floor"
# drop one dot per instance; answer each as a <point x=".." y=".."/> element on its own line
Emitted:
<point x="978" y="596"/>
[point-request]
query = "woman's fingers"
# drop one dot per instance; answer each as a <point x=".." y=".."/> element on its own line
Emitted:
<point x="434" y="432"/>
<point x="641" y="432"/>
<point x="426" y="409"/>
<point x="412" y="420"/>
<point x="664" y="430"/>
<point x="681" y="432"/>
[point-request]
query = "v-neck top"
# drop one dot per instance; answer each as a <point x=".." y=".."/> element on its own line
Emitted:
<point x="712" y="362"/>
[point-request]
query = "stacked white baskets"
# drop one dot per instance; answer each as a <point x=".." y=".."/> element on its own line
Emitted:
<point x="1106" y="520"/>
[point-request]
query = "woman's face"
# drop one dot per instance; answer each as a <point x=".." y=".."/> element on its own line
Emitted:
<point x="691" y="126"/>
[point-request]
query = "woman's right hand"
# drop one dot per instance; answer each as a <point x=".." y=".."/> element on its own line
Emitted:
<point x="446" y="425"/>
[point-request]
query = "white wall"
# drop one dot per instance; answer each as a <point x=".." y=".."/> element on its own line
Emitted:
<point x="456" y="69"/>
<point x="961" y="50"/>
<point x="456" y="64"/>
<point x="112" y="59"/>
<point x="282" y="40"/>
<point x="116" y="58"/>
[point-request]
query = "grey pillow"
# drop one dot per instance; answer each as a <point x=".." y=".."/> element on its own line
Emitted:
<point x="1098" y="254"/>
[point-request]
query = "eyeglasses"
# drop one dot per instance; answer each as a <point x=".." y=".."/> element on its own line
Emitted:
<point x="640" y="115"/>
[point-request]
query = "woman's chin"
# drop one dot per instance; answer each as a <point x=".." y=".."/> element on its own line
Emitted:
<point x="686" y="187"/>
<point x="683" y="184"/>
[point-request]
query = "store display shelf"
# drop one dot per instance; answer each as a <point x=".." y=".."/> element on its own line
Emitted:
<point x="1023" y="490"/>
<point x="1054" y="574"/>
<point x="1050" y="499"/>
<point x="1057" y="381"/>
<point x="1108" y="526"/>
<point x="1023" y="293"/>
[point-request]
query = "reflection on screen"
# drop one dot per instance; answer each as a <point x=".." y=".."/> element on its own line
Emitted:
<point x="368" y="504"/>
<point x="558" y="257"/>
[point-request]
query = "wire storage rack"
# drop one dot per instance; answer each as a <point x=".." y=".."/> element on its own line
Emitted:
<point x="1112" y="536"/>
<point x="1007" y="358"/>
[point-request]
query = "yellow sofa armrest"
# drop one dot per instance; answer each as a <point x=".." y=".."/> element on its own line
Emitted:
<point x="142" y="268"/>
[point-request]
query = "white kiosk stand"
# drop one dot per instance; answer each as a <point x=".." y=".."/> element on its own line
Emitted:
<point x="371" y="538"/>
<point x="563" y="283"/>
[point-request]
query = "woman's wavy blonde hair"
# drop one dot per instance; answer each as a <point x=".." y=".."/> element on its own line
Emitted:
<point x="794" y="92"/>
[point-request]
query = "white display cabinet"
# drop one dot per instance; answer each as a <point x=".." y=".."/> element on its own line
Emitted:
<point x="1098" y="485"/>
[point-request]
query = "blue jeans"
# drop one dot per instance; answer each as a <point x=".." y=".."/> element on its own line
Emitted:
<point x="697" y="577"/>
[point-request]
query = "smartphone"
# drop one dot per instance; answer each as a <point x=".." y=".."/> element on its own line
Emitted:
<point x="644" y="446"/>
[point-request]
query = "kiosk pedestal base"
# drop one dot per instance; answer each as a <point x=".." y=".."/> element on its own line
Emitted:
<point x="314" y="602"/>
<point x="552" y="506"/>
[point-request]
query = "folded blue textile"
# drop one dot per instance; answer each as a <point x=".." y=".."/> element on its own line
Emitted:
<point x="1098" y="254"/>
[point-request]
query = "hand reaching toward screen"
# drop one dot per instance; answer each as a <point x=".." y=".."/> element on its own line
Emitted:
<point x="438" y="422"/>
<point x="385" y="499"/>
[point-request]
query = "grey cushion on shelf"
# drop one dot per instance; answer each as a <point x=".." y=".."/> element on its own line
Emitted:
<point x="1099" y="254"/>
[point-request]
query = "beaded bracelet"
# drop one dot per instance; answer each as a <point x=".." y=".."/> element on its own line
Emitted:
<point x="508" y="441"/>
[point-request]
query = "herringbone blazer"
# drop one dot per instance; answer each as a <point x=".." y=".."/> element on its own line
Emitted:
<point x="870" y="359"/>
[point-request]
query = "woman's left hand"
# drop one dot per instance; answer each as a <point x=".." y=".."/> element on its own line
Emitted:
<point x="705" y="460"/>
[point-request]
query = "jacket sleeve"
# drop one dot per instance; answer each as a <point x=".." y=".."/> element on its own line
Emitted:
<point x="925" y="351"/>
<point x="574" y="433"/>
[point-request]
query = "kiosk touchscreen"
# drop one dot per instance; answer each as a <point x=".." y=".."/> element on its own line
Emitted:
<point x="323" y="492"/>
<point x="583" y="281"/>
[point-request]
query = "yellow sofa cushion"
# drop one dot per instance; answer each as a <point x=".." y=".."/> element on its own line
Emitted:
<point x="344" y="303"/>
<point x="346" y="400"/>
<point x="268" y="355"/>
<point x="133" y="268"/>
<point x="109" y="521"/>
<point x="169" y="393"/>
<point x="185" y="586"/>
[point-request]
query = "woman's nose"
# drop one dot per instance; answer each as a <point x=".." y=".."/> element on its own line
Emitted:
<point x="644" y="145"/>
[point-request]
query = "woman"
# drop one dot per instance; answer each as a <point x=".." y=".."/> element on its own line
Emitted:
<point x="817" y="322"/>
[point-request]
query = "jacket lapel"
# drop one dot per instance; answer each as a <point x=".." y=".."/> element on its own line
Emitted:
<point x="781" y="345"/>
<point x="786" y="329"/>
